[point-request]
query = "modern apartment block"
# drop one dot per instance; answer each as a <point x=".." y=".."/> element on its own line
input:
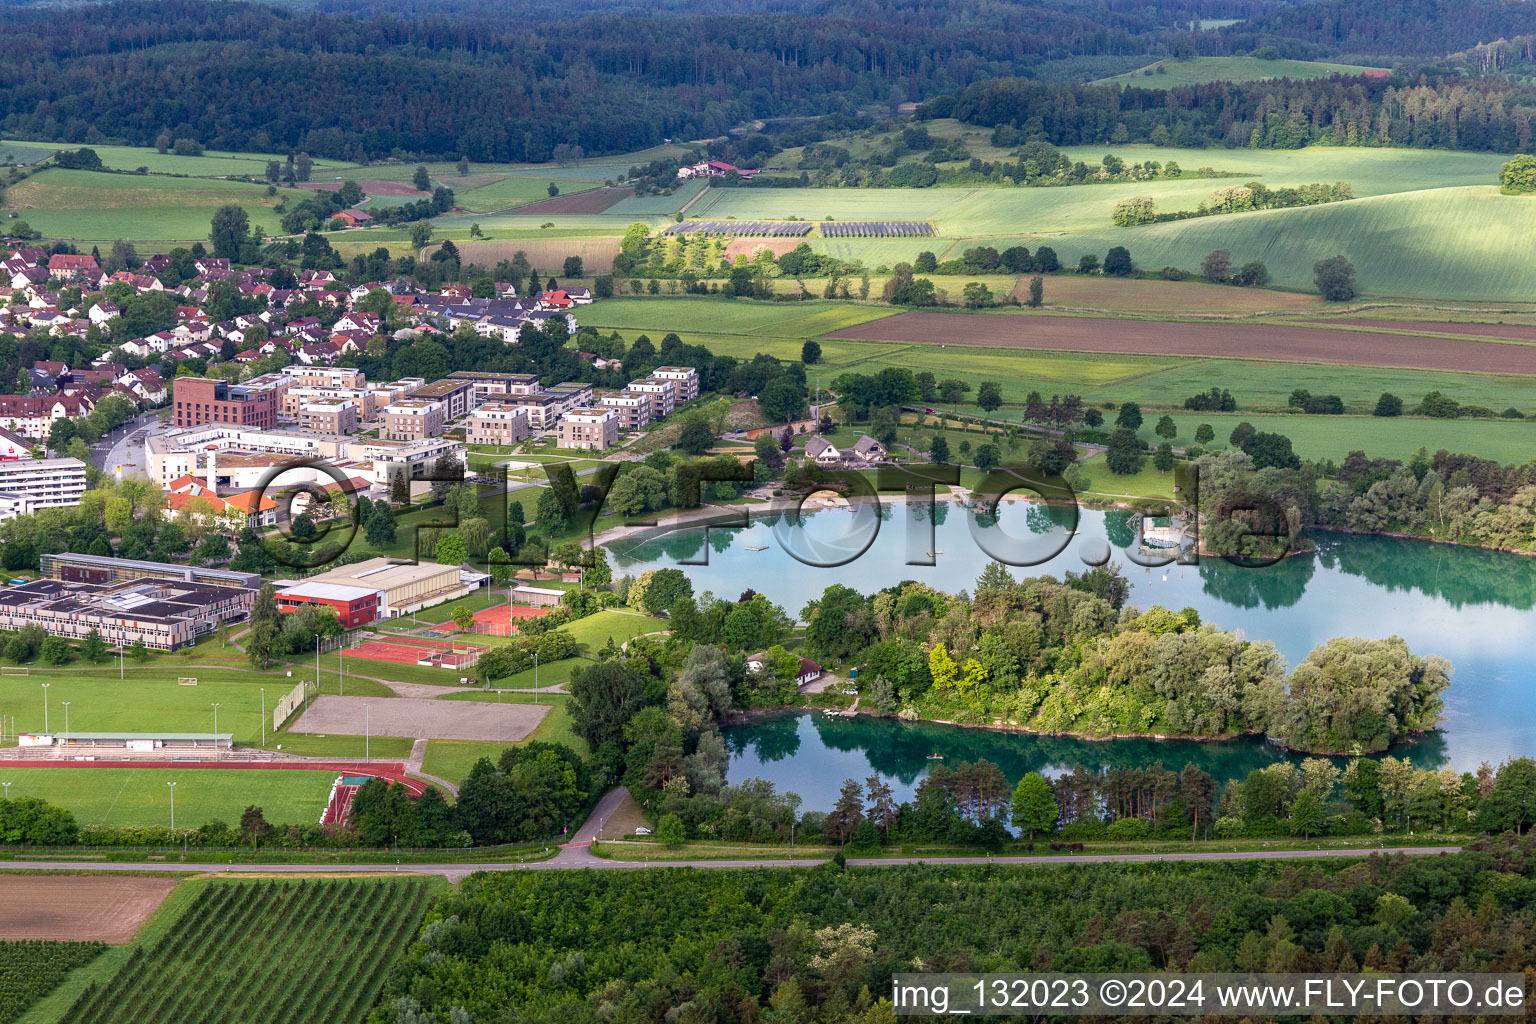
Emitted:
<point x="27" y="485"/>
<point x="685" y="377"/>
<point x="632" y="409"/>
<point x="366" y="400"/>
<point x="497" y="423"/>
<point x="543" y="408"/>
<point x="329" y="416"/>
<point x="571" y="395"/>
<point x="490" y="386"/>
<point x="412" y="420"/>
<point x="325" y="376"/>
<point x="197" y="400"/>
<point x="663" y="395"/>
<point x="593" y="429"/>
<point x="455" y="396"/>
<point x="414" y="459"/>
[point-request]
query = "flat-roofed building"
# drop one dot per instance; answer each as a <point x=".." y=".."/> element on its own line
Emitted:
<point x="571" y="395"/>
<point x="592" y="429"/>
<point x="537" y="597"/>
<point x="161" y="614"/>
<point x="411" y="419"/>
<point x="325" y="376"/>
<point x="685" y="377"/>
<point x="490" y="386"/>
<point x="413" y="458"/>
<point x="366" y="400"/>
<point x="631" y="408"/>
<point x="403" y="587"/>
<point x="196" y="400"/>
<point x="543" y="409"/>
<point x="354" y="606"/>
<point x="42" y="483"/>
<point x="78" y="568"/>
<point x="497" y="423"/>
<point x="455" y="396"/>
<point x="329" y="416"/>
<point x="663" y="394"/>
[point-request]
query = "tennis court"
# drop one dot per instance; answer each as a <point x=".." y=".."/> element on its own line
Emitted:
<point x="417" y="652"/>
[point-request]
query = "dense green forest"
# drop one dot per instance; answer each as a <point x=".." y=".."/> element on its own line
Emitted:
<point x="1425" y="110"/>
<point x="388" y="79"/>
<point x="243" y="76"/>
<point x="792" y="947"/>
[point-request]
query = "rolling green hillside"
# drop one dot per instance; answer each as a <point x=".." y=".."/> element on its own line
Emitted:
<point x="1451" y="243"/>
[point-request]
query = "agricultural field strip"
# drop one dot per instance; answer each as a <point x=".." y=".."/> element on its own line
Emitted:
<point x="265" y="952"/>
<point x="1280" y="342"/>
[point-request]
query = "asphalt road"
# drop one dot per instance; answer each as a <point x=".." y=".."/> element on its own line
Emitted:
<point x="579" y="857"/>
<point x="575" y="853"/>
<point x="124" y="446"/>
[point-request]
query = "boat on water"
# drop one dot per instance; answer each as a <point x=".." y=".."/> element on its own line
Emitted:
<point x="757" y="547"/>
<point x="935" y="756"/>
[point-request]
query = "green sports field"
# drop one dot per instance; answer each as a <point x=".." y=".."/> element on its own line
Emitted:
<point x="1199" y="70"/>
<point x="151" y="700"/>
<point x="140" y="796"/>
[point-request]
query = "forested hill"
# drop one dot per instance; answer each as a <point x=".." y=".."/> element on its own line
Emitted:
<point x="506" y="85"/>
<point x="1343" y="29"/>
<point x="496" y="83"/>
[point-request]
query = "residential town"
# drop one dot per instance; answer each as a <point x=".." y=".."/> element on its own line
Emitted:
<point x="231" y="428"/>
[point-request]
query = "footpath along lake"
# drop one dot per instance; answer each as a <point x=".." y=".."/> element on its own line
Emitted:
<point x="1475" y="608"/>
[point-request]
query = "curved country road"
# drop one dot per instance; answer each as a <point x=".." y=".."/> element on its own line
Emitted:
<point x="576" y="854"/>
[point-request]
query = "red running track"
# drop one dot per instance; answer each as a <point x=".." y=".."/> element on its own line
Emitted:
<point x="391" y="771"/>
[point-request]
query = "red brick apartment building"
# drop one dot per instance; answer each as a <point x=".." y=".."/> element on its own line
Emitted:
<point x="198" y="401"/>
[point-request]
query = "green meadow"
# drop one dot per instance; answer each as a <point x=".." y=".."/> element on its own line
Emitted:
<point x="512" y="192"/>
<point x="139" y="796"/>
<point x="1333" y="437"/>
<point x="91" y="206"/>
<point x="1166" y="74"/>
<point x="213" y="163"/>
<point x="1463" y="243"/>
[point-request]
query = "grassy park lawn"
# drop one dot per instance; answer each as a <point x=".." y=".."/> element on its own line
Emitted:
<point x="593" y="631"/>
<point x="1148" y="483"/>
<point x="140" y="796"/>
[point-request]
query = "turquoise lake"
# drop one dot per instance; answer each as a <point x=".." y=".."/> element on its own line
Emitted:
<point x="1473" y="607"/>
